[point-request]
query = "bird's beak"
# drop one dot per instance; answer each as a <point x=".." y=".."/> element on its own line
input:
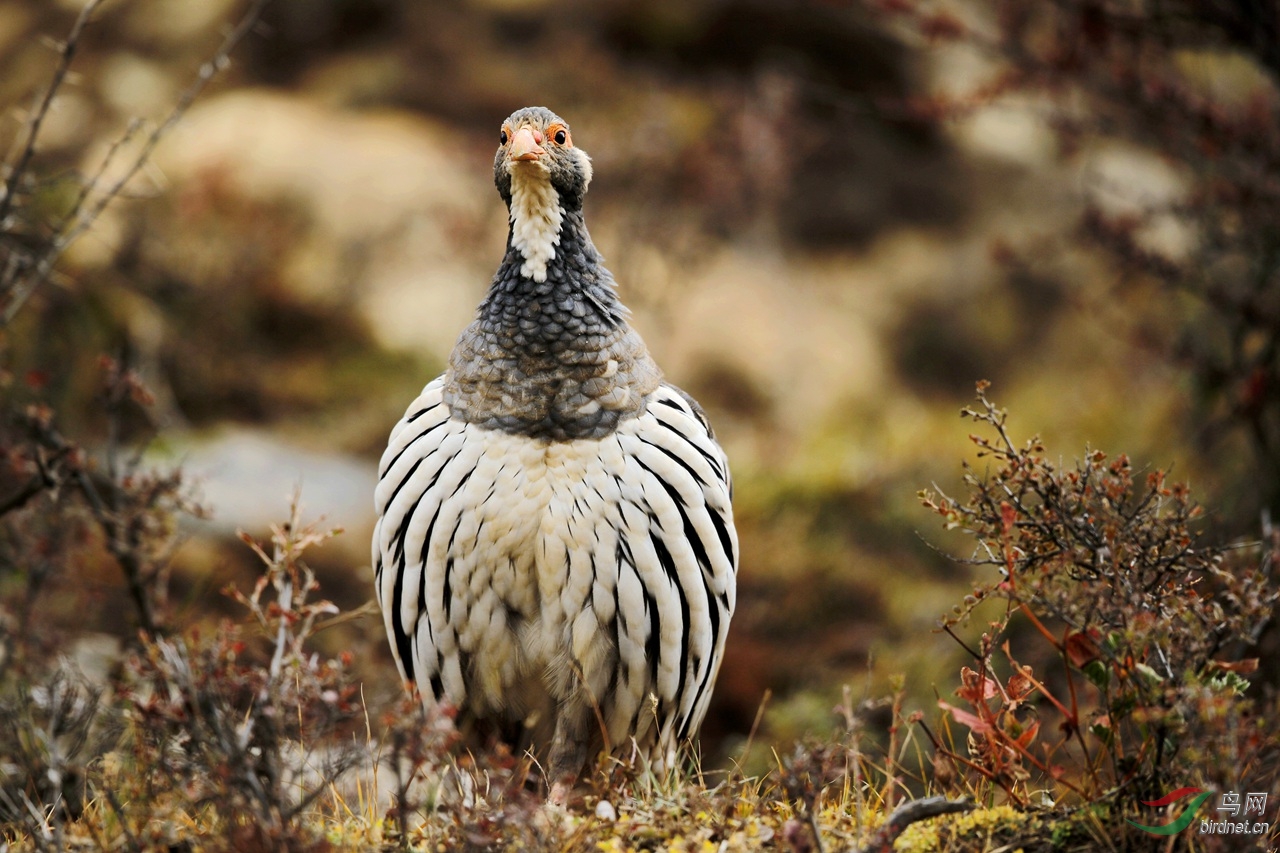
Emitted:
<point x="524" y="146"/>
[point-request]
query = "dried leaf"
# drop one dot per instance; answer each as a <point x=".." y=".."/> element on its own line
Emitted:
<point x="1244" y="667"/>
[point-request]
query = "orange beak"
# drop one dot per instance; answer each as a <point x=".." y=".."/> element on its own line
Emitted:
<point x="525" y="145"/>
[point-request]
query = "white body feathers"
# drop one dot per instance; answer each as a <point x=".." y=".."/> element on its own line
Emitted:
<point x="526" y="579"/>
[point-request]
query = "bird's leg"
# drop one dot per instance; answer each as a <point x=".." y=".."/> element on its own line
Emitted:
<point x="569" y="745"/>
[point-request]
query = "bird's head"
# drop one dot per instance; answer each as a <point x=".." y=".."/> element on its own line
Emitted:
<point x="535" y="147"/>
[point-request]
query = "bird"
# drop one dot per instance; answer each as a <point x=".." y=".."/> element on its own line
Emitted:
<point x="554" y="551"/>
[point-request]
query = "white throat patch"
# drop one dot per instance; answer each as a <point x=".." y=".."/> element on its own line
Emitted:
<point x="535" y="219"/>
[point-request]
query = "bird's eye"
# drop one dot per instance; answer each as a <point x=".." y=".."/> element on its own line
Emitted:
<point x="502" y="137"/>
<point x="561" y="137"/>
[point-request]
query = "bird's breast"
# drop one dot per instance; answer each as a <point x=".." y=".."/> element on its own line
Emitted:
<point x="546" y="388"/>
<point x="539" y="512"/>
<point x="543" y="498"/>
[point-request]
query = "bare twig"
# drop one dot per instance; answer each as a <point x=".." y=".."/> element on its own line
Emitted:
<point x="119" y="511"/>
<point x="36" y="121"/>
<point x="34" y="486"/>
<point x="84" y="214"/>
<point x="909" y="813"/>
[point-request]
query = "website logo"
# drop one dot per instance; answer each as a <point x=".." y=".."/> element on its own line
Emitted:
<point x="1183" y="820"/>
<point x="1236" y="813"/>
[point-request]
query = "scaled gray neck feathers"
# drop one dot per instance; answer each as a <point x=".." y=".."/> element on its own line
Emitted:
<point x="552" y="359"/>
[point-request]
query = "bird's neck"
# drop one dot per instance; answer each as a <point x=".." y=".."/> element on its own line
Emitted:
<point x="551" y="354"/>
<point x="537" y="217"/>
<point x="550" y="261"/>
<point x="552" y="283"/>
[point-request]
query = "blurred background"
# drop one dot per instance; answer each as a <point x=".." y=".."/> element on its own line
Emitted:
<point x="829" y="220"/>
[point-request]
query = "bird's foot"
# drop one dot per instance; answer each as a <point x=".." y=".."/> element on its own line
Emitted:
<point x="560" y="791"/>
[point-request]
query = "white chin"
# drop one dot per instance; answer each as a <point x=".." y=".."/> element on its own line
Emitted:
<point x="536" y="216"/>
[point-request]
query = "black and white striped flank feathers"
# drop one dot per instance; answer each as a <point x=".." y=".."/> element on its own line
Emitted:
<point x="555" y="549"/>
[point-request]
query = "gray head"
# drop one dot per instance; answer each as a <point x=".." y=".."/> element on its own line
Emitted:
<point x="550" y="354"/>
<point x="535" y="143"/>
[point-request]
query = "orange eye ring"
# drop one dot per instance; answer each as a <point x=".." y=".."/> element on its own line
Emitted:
<point x="559" y="134"/>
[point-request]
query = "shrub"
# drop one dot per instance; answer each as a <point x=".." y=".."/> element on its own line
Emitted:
<point x="1141" y="686"/>
<point x="249" y="723"/>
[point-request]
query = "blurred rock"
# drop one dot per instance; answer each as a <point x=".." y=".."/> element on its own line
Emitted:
<point x="135" y="86"/>
<point x="1012" y="132"/>
<point x="362" y="174"/>
<point x="1127" y="181"/>
<point x="391" y="199"/>
<point x="66" y="123"/>
<point x="169" y="21"/>
<point x="248" y="476"/>
<point x="743" y="312"/>
<point x="1230" y="79"/>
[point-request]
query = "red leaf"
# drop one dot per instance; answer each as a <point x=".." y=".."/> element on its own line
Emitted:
<point x="1080" y="649"/>
<point x="1020" y="684"/>
<point x="941" y="26"/>
<point x="964" y="718"/>
<point x="37" y="379"/>
<point x="1028" y="735"/>
<point x="976" y="688"/>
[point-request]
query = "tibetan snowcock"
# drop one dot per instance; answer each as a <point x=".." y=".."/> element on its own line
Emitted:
<point x="555" y="550"/>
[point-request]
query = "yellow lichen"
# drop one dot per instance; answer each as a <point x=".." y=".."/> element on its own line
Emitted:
<point x="983" y="823"/>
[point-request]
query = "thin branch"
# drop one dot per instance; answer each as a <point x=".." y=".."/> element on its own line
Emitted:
<point x="84" y="218"/>
<point x="37" y="484"/>
<point x="122" y="540"/>
<point x="87" y="187"/>
<point x="65" y="55"/>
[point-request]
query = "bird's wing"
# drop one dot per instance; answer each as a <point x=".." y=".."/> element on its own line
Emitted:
<point x="678" y="558"/>
<point x="425" y="459"/>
